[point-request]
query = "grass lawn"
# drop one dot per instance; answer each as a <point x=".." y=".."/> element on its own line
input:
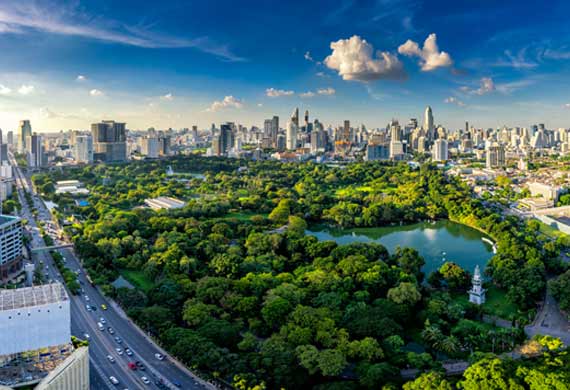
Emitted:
<point x="498" y="305"/>
<point x="550" y="231"/>
<point x="243" y="216"/>
<point x="138" y="279"/>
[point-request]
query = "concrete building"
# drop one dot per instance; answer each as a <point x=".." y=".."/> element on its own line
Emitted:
<point x="10" y="249"/>
<point x="428" y="123"/>
<point x="477" y="292"/>
<point x="546" y="191"/>
<point x="291" y="134"/>
<point x="150" y="147"/>
<point x="72" y="373"/>
<point x="35" y="151"/>
<point x="440" y="150"/>
<point x="109" y="141"/>
<point x="24" y="131"/>
<point x="495" y="157"/>
<point x="83" y="149"/>
<point x="377" y="152"/>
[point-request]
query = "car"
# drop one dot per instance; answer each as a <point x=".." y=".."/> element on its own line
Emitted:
<point x="87" y="298"/>
<point x="110" y="330"/>
<point x="119" y="351"/>
<point x="88" y="307"/>
<point x="176" y="383"/>
<point x="94" y="308"/>
<point x="111" y="358"/>
<point x="145" y="380"/>
<point x="128" y="352"/>
<point x="159" y="356"/>
<point x="102" y="320"/>
<point x="132" y="366"/>
<point x="100" y="326"/>
<point x="103" y="306"/>
<point x="86" y="335"/>
<point x="114" y="380"/>
<point x="118" y="340"/>
<point x="139" y="365"/>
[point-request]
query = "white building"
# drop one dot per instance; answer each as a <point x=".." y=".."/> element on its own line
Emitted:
<point x="545" y="191"/>
<point x="83" y="149"/>
<point x="10" y="247"/>
<point x="428" y="123"/>
<point x="164" y="202"/>
<point x="42" y="311"/>
<point x="440" y="150"/>
<point x="149" y="147"/>
<point x="291" y="142"/>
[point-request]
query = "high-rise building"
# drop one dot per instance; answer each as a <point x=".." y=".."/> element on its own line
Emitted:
<point x="109" y="141"/>
<point x="36" y="155"/>
<point x="495" y="156"/>
<point x="307" y="120"/>
<point x="395" y="131"/>
<point x="227" y="137"/>
<point x="10" y="138"/>
<point x="428" y="124"/>
<point x="83" y="149"/>
<point x="149" y="147"/>
<point x="440" y="150"/>
<point x="10" y="246"/>
<point x="291" y="140"/>
<point x="295" y="117"/>
<point x="25" y="131"/>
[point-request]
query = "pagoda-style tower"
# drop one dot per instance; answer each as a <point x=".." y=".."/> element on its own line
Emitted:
<point x="477" y="292"/>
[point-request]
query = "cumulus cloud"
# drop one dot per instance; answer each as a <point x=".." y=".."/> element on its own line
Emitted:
<point x="81" y="78"/>
<point x="26" y="90"/>
<point x="228" y="102"/>
<point x="454" y="100"/>
<point x="326" y="91"/>
<point x="307" y="94"/>
<point x="430" y="56"/>
<point x="96" y="92"/>
<point x="168" y="97"/>
<point x="272" y="92"/>
<point x="4" y="90"/>
<point x="308" y="56"/>
<point x="354" y="59"/>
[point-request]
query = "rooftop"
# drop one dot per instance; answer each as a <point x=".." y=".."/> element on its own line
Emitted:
<point x="7" y="218"/>
<point x="32" y="296"/>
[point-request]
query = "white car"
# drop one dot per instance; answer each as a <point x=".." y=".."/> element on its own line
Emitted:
<point x="128" y="352"/>
<point x="145" y="380"/>
<point x="159" y="356"/>
<point x="102" y="320"/>
<point x="111" y="358"/>
<point x="119" y="351"/>
<point x="86" y="335"/>
<point x="88" y="307"/>
<point x="87" y="298"/>
<point x="114" y="380"/>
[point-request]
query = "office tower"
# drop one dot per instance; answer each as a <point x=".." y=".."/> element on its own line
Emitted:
<point x="440" y="150"/>
<point x="25" y="131"/>
<point x="10" y="138"/>
<point x="379" y="151"/>
<point x="267" y="127"/>
<point x="466" y="127"/>
<point x="10" y="247"/>
<point x="413" y="124"/>
<point x="226" y="137"/>
<point x="295" y="117"/>
<point x="36" y="151"/>
<point x="291" y="140"/>
<point x="495" y="156"/>
<point x="149" y="146"/>
<point x="396" y="150"/>
<point x="307" y="120"/>
<point x="395" y="131"/>
<point x="164" y="143"/>
<point x="217" y="145"/>
<point x="428" y="123"/>
<point x="345" y="133"/>
<point x="83" y="149"/>
<point x="109" y="141"/>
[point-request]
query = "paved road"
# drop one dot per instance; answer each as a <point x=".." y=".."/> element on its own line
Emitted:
<point x="83" y="322"/>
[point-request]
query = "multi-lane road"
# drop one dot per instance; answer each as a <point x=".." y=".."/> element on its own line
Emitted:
<point x="87" y="311"/>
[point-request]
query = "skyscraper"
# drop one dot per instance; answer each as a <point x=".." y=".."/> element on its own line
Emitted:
<point x="10" y="137"/>
<point x="35" y="151"/>
<point x="25" y="131"/>
<point x="428" y="123"/>
<point x="295" y="117"/>
<point x="291" y="140"/>
<point x="109" y="141"/>
<point x="440" y="150"/>
<point x="307" y="120"/>
<point x="226" y="137"/>
<point x="83" y="149"/>
<point x="495" y="156"/>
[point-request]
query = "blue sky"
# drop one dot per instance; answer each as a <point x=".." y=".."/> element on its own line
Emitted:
<point x="177" y="63"/>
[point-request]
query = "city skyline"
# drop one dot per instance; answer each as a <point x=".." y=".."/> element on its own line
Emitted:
<point x="176" y="65"/>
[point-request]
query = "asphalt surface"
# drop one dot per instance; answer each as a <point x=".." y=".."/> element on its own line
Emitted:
<point x="84" y="321"/>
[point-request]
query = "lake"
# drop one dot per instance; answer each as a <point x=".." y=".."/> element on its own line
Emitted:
<point x="436" y="242"/>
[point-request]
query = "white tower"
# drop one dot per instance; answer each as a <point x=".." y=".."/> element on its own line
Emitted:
<point x="477" y="293"/>
<point x="291" y="140"/>
<point x="428" y="123"/>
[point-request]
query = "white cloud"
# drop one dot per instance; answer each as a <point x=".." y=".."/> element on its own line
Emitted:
<point x="167" y="97"/>
<point x="454" y="100"/>
<point x="307" y="94"/>
<point x="26" y="90"/>
<point x="322" y="74"/>
<point x="326" y="91"/>
<point x="46" y="113"/>
<point x="4" y="90"/>
<point x="228" y="102"/>
<point x="486" y="85"/>
<point x="430" y="56"/>
<point x="516" y="61"/>
<point x="567" y="105"/>
<point x="272" y="92"/>
<point x="81" y="78"/>
<point x="259" y="104"/>
<point x="308" y="56"/>
<point x="96" y="92"/>
<point x="22" y="17"/>
<point x="354" y="59"/>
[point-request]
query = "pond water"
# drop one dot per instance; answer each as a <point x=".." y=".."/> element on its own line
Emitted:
<point x="436" y="242"/>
